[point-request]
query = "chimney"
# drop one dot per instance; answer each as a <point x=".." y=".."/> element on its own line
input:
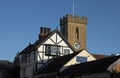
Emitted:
<point x="44" y="31"/>
<point x="49" y="30"/>
<point x="41" y="31"/>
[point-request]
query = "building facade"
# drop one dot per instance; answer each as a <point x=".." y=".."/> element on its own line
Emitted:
<point x="54" y="44"/>
<point x="63" y="54"/>
<point x="50" y="45"/>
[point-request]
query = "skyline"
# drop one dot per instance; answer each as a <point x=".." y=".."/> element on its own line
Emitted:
<point x="20" y="23"/>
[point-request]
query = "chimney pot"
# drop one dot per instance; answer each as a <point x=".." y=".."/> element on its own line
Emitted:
<point x="44" y="31"/>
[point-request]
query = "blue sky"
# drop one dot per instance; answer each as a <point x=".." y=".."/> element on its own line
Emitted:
<point x="20" y="21"/>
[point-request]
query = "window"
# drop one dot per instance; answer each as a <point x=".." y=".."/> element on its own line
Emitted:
<point x="47" y="49"/>
<point x="81" y="59"/>
<point x="28" y="58"/>
<point x="77" y="32"/>
<point x="32" y="56"/>
<point x="52" y="50"/>
<point x="77" y="29"/>
<point x="23" y="58"/>
<point x="66" y="51"/>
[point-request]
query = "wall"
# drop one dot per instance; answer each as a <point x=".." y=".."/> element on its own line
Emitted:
<point x="28" y="67"/>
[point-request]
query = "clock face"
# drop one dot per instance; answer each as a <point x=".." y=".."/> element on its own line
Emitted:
<point x="76" y="45"/>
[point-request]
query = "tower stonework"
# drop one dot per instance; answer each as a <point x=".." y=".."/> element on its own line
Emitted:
<point x="74" y="29"/>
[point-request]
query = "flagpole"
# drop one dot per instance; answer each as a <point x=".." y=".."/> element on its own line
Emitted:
<point x="73" y="7"/>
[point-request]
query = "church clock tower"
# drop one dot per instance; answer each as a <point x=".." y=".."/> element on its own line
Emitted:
<point x="74" y="29"/>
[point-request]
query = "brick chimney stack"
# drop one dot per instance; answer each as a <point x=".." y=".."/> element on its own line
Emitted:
<point x="44" y="31"/>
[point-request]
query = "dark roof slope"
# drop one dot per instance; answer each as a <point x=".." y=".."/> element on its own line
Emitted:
<point x="55" y="64"/>
<point x="29" y="48"/>
<point x="90" y="67"/>
<point x="4" y="64"/>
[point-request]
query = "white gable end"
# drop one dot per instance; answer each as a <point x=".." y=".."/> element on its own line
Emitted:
<point x="58" y="38"/>
<point x="83" y="54"/>
<point x="53" y="37"/>
<point x="62" y="43"/>
<point x="47" y="49"/>
<point x="49" y="41"/>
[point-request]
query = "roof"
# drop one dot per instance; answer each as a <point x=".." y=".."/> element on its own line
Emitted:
<point x="31" y="47"/>
<point x="100" y="65"/>
<point x="100" y="56"/>
<point x="55" y="64"/>
<point x="4" y="64"/>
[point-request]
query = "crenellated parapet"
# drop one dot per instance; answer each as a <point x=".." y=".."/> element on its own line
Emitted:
<point x="74" y="19"/>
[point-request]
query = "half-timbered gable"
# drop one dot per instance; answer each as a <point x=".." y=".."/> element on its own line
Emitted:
<point x="52" y="46"/>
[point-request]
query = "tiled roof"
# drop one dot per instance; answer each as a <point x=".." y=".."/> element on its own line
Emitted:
<point x="100" y="56"/>
<point x="55" y="64"/>
<point x="100" y="65"/>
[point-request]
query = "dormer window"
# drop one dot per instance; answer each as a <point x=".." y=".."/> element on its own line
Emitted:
<point x="52" y="50"/>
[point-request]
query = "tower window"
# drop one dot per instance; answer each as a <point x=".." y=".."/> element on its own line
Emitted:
<point x="77" y="29"/>
<point x="77" y="32"/>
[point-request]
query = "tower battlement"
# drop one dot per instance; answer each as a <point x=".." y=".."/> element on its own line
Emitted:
<point x="74" y="19"/>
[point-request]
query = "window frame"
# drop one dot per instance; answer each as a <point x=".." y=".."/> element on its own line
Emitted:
<point x="66" y="52"/>
<point x="49" y="50"/>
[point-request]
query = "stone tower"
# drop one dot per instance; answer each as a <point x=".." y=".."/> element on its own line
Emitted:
<point x="74" y="29"/>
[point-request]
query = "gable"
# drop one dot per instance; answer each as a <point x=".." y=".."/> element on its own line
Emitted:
<point x="55" y="39"/>
<point x="83" y="53"/>
<point x="52" y="46"/>
<point x="74" y="61"/>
